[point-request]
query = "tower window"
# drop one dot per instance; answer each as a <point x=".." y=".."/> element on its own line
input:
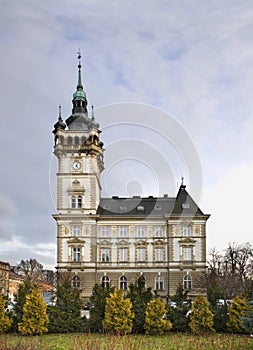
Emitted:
<point x="187" y="253"/>
<point x="76" y="202"/>
<point x="76" y="254"/>
<point x="187" y="282"/>
<point x="69" y="140"/>
<point x="105" y="282"/>
<point x="123" y="283"/>
<point x="79" y="201"/>
<point x="76" y="140"/>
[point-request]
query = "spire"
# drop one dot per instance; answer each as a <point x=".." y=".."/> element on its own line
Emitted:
<point x="79" y="117"/>
<point x="79" y="81"/>
<point x="60" y="123"/>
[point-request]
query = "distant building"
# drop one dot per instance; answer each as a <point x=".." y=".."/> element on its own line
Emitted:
<point x="112" y="241"/>
<point x="14" y="281"/>
<point x="4" y="277"/>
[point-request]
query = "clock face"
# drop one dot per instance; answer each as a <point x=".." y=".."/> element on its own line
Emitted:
<point x="76" y="165"/>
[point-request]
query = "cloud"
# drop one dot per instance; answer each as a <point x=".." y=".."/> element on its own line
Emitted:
<point x="193" y="61"/>
<point x="229" y="202"/>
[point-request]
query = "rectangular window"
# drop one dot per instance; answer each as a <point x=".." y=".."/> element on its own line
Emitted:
<point x="158" y="231"/>
<point x="105" y="231"/>
<point x="105" y="257"/>
<point x="141" y="254"/>
<point x="73" y="202"/>
<point x="76" y="254"/>
<point x="123" y="231"/>
<point x="187" y="253"/>
<point x="76" y="231"/>
<point x="123" y="254"/>
<point x="159" y="283"/>
<point x="141" y="231"/>
<point x="187" y="231"/>
<point x="158" y="254"/>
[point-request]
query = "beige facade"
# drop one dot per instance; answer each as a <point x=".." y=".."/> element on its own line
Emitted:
<point x="115" y="240"/>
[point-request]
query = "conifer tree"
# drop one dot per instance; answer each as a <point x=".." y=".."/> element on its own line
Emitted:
<point x="178" y="315"/>
<point x="139" y="296"/>
<point x="35" y="319"/>
<point x="65" y="316"/>
<point x="5" y="321"/>
<point x="97" y="311"/>
<point x="201" y="318"/>
<point x="247" y="320"/>
<point x="155" y="322"/>
<point x="118" y="315"/>
<point x="236" y="312"/>
<point x="23" y="289"/>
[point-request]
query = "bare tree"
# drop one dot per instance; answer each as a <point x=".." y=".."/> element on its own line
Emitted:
<point x="31" y="269"/>
<point x="231" y="271"/>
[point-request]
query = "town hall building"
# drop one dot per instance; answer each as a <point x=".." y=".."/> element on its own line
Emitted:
<point x="113" y="241"/>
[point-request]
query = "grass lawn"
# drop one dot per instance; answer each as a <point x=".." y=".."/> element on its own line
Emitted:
<point x="104" y="342"/>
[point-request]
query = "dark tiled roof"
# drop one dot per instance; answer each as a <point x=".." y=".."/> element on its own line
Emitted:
<point x="181" y="205"/>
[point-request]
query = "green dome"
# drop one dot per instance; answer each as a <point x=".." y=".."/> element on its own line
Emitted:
<point x="79" y="95"/>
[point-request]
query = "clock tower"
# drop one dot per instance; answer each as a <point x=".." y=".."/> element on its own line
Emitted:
<point x="80" y="162"/>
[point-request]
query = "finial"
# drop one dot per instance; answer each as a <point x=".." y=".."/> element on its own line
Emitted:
<point x="92" y="113"/>
<point x="79" y="56"/>
<point x="182" y="180"/>
<point x="59" y="111"/>
<point x="79" y="83"/>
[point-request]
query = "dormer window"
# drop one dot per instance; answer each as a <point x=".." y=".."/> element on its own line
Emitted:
<point x="186" y="205"/>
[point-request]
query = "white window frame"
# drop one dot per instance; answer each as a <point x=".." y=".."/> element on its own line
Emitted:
<point x="159" y="254"/>
<point x="187" y="282"/>
<point x="159" y="283"/>
<point x="158" y="231"/>
<point x="76" y="230"/>
<point x="187" y="231"/>
<point x="105" y="282"/>
<point x="123" y="283"/>
<point x="76" y="254"/>
<point x="123" y="254"/>
<point x="105" y="255"/>
<point x="141" y="254"/>
<point x="187" y="253"/>
<point x="141" y="231"/>
<point x="105" y="231"/>
<point x="123" y="231"/>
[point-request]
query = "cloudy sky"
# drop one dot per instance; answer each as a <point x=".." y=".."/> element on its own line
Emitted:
<point x="186" y="70"/>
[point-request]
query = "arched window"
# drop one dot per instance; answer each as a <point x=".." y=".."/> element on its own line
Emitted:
<point x="79" y="202"/>
<point x="105" y="282"/>
<point x="69" y="140"/>
<point x="187" y="282"/>
<point x="123" y="283"/>
<point x="76" y="140"/>
<point x="61" y="140"/>
<point x="76" y="282"/>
